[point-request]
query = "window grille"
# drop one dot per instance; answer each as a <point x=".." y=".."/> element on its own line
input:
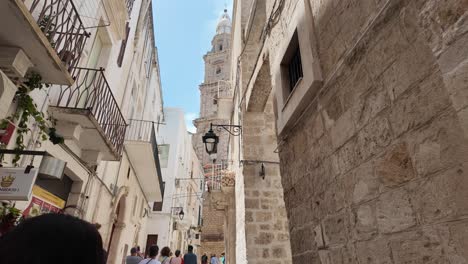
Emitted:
<point x="295" y="69"/>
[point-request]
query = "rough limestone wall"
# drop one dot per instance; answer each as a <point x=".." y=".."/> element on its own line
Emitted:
<point x="212" y="237"/>
<point x="266" y="223"/>
<point x="376" y="169"/>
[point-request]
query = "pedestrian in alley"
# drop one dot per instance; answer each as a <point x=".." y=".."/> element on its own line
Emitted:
<point x="204" y="259"/>
<point x="139" y="253"/>
<point x="165" y="254"/>
<point x="133" y="258"/>
<point x="52" y="239"/>
<point x="222" y="259"/>
<point x="214" y="259"/>
<point x="177" y="259"/>
<point x="153" y="253"/>
<point x="190" y="258"/>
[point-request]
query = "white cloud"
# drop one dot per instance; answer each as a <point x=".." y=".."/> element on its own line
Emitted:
<point x="189" y="117"/>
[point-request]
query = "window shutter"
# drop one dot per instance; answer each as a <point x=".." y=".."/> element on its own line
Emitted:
<point x="123" y="46"/>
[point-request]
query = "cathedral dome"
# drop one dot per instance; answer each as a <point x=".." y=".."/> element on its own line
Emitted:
<point x="224" y="24"/>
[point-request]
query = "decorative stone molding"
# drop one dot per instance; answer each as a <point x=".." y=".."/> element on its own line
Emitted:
<point x="14" y="62"/>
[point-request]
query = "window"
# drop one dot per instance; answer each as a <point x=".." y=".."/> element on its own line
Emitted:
<point x="221" y="47"/>
<point x="291" y="66"/>
<point x="123" y="46"/>
<point x="157" y="206"/>
<point x="218" y="70"/>
<point x="128" y="173"/>
<point x="295" y="73"/>
<point x="299" y="76"/>
<point x="142" y="207"/>
<point x="163" y="155"/>
<point x="135" y="201"/>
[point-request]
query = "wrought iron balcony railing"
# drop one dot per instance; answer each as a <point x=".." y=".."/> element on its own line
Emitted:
<point x="139" y="130"/>
<point x="218" y="176"/>
<point x="91" y="92"/>
<point x="62" y="26"/>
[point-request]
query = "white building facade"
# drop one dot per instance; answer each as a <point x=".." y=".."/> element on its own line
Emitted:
<point x="105" y="101"/>
<point x="183" y="182"/>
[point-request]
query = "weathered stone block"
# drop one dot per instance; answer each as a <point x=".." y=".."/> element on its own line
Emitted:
<point x="419" y="105"/>
<point x="376" y="251"/>
<point x="335" y="229"/>
<point x="441" y="197"/>
<point x="365" y="184"/>
<point x="417" y="247"/>
<point x="342" y="130"/>
<point x="457" y="85"/>
<point x="365" y="221"/>
<point x="395" y="212"/>
<point x="263" y="216"/>
<point x="395" y="167"/>
<point x="369" y="105"/>
<point x="374" y="137"/>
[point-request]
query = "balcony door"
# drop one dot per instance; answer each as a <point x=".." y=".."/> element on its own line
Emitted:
<point x="150" y="240"/>
<point x="90" y="79"/>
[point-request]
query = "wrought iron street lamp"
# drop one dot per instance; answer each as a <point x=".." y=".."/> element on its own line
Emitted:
<point x="211" y="140"/>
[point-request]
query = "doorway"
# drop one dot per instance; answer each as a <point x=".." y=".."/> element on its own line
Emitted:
<point x="150" y="240"/>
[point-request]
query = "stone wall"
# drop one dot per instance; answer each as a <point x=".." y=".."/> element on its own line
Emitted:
<point x="212" y="236"/>
<point x="375" y="169"/>
<point x="266" y="223"/>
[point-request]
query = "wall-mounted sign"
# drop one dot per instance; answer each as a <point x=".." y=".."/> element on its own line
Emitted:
<point x="15" y="184"/>
<point x="43" y="202"/>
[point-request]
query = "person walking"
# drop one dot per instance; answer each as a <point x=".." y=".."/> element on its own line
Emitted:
<point x="153" y="253"/>
<point x="204" y="259"/>
<point x="214" y="259"/>
<point x="177" y="259"/>
<point x="165" y="255"/>
<point x="133" y="258"/>
<point x="222" y="259"/>
<point x="36" y="240"/>
<point x="190" y="258"/>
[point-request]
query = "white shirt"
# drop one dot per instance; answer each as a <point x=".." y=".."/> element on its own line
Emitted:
<point x="149" y="261"/>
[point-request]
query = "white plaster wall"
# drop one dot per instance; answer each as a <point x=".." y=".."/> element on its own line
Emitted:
<point x="180" y="160"/>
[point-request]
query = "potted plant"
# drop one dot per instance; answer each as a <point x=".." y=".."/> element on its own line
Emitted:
<point x="9" y="216"/>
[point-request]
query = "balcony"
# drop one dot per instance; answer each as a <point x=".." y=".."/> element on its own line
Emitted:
<point x="142" y="150"/>
<point x="218" y="177"/>
<point x="89" y="117"/>
<point x="51" y="34"/>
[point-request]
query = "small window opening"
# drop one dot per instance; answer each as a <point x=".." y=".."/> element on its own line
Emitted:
<point x="218" y="70"/>
<point x="295" y="69"/>
<point x="292" y="66"/>
<point x="221" y="47"/>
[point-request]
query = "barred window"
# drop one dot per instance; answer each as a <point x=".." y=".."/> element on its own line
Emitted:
<point x="157" y="206"/>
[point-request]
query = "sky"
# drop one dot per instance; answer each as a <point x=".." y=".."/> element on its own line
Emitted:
<point x="183" y="32"/>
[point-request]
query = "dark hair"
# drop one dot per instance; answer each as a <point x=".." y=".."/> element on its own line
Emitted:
<point x="72" y="240"/>
<point x="153" y="251"/>
<point x="177" y="253"/>
<point x="190" y="248"/>
<point x="134" y="250"/>
<point x="165" y="251"/>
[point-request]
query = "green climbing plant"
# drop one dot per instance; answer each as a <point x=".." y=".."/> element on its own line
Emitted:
<point x="47" y="26"/>
<point x="27" y="111"/>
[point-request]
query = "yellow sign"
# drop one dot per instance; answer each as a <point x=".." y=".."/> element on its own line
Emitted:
<point x="48" y="197"/>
